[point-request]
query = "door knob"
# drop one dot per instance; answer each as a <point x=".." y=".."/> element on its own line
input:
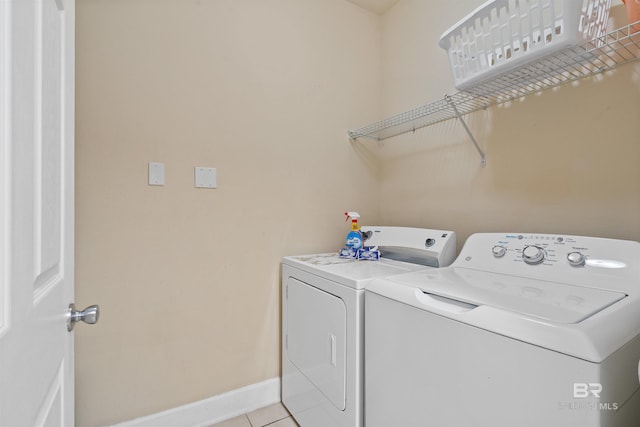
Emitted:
<point x="89" y="315"/>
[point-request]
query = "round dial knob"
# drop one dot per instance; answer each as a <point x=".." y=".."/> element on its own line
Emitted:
<point x="576" y="259"/>
<point x="533" y="254"/>
<point x="499" y="251"/>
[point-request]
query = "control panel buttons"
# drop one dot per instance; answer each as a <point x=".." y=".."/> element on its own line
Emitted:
<point x="576" y="259"/>
<point x="499" y="251"/>
<point x="533" y="254"/>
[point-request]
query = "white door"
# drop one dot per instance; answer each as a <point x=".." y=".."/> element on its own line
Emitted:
<point x="36" y="212"/>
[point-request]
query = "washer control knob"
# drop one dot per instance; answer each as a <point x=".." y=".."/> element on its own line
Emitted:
<point x="499" y="251"/>
<point x="429" y="242"/>
<point x="533" y="254"/>
<point x="576" y="259"/>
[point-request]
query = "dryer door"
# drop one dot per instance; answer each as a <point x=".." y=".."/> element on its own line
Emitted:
<point x="316" y="338"/>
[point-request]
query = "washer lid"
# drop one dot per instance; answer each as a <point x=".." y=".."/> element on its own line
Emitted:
<point x="551" y="301"/>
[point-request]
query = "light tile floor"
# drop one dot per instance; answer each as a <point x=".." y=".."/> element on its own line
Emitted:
<point x="274" y="415"/>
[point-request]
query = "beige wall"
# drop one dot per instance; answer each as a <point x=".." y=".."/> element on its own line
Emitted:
<point x="565" y="161"/>
<point x="264" y="91"/>
<point x="189" y="280"/>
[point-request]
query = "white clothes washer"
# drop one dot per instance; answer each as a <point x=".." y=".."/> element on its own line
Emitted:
<point x="322" y="320"/>
<point x="525" y="330"/>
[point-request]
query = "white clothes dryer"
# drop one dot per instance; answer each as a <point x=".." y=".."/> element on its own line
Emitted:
<point x="322" y="320"/>
<point x="524" y="330"/>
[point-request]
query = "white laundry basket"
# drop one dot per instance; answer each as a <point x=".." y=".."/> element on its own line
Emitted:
<point x="502" y="35"/>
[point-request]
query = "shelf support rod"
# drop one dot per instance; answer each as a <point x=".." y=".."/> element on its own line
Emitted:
<point x="483" y="159"/>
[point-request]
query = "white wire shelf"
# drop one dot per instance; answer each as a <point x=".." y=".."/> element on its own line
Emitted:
<point x="602" y="54"/>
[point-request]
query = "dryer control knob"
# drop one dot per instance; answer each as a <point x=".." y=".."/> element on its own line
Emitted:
<point x="533" y="254"/>
<point x="499" y="251"/>
<point x="576" y="259"/>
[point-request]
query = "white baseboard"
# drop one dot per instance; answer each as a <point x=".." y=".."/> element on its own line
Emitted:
<point x="214" y="409"/>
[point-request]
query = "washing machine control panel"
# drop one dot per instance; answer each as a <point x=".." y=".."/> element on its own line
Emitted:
<point x="549" y="256"/>
<point x="538" y="249"/>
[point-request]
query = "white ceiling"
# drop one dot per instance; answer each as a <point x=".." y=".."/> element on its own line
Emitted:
<point x="375" y="6"/>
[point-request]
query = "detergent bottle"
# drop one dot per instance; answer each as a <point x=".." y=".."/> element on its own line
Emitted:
<point x="354" y="238"/>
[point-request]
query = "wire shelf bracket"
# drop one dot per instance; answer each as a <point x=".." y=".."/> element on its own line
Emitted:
<point x="483" y="158"/>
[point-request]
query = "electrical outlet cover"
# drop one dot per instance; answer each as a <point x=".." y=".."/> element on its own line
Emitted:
<point x="206" y="177"/>
<point x="156" y="173"/>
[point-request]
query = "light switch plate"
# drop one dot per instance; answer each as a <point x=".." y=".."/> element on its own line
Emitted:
<point x="206" y="177"/>
<point x="156" y="173"/>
